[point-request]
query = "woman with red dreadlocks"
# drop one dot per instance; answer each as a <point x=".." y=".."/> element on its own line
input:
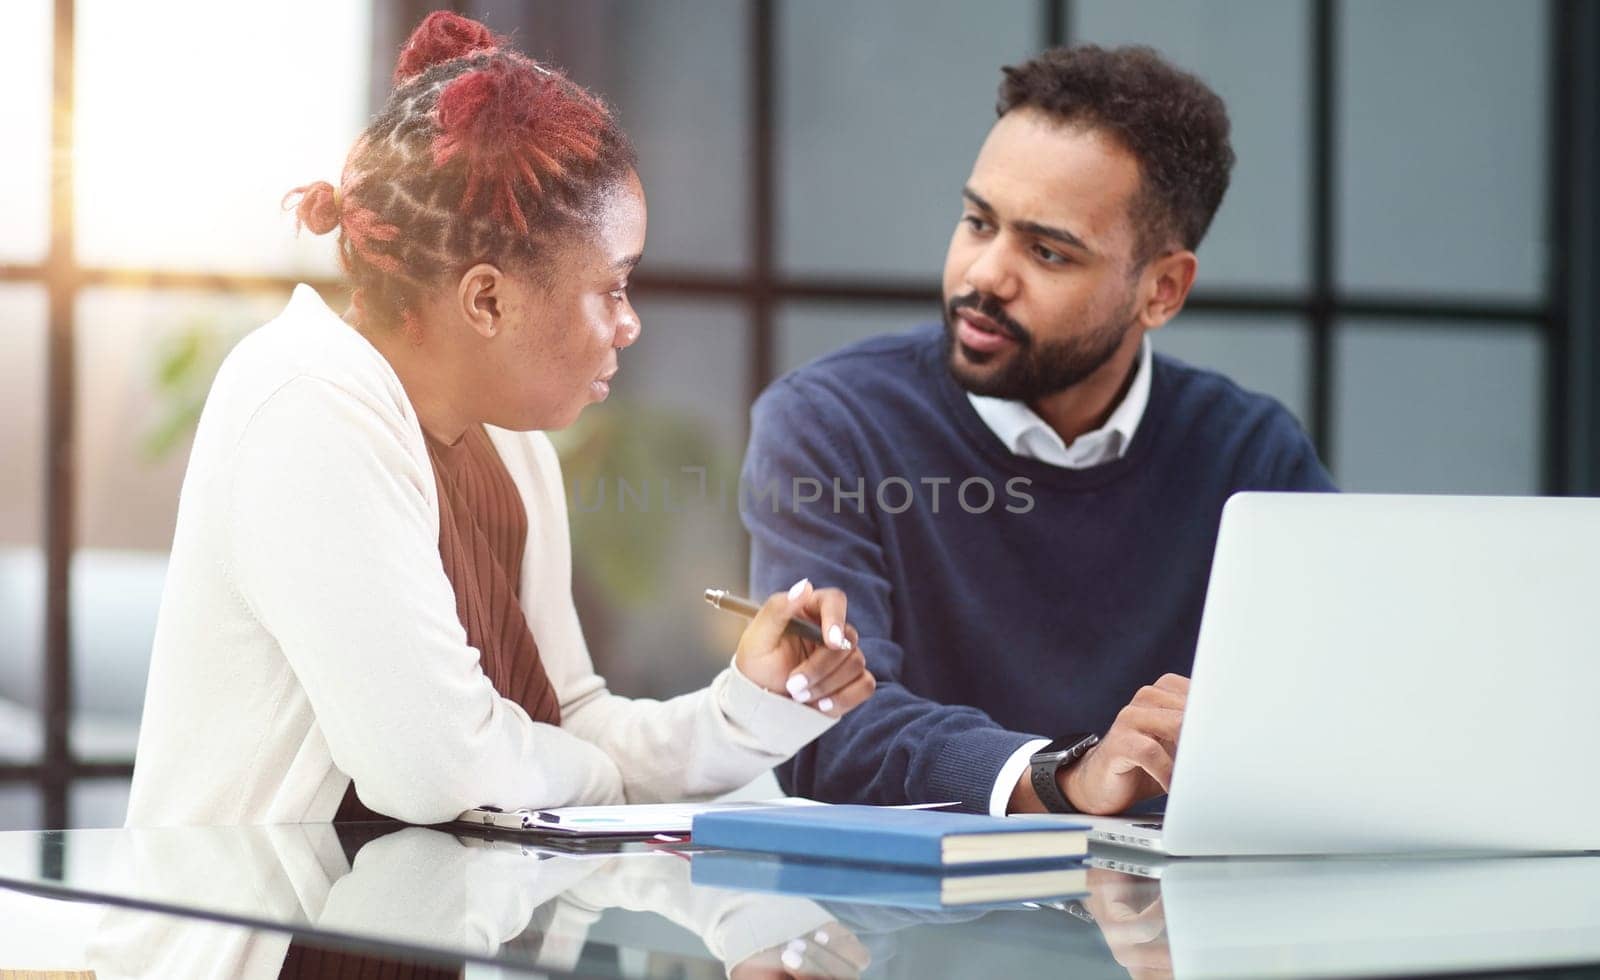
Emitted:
<point x="369" y="601"/>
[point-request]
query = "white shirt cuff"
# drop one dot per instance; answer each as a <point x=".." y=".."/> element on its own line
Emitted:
<point x="1009" y="774"/>
<point x="779" y="724"/>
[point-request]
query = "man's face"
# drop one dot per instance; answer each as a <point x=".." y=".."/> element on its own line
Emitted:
<point x="1040" y="282"/>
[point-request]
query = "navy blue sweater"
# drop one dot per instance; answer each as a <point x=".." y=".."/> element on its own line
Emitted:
<point x="999" y="598"/>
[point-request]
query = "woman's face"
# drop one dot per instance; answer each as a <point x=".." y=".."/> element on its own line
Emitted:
<point x="562" y="332"/>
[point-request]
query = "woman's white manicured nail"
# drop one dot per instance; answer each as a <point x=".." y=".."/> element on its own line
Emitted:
<point x="826" y="704"/>
<point x="798" y="587"/>
<point x="798" y="688"/>
<point x="820" y="937"/>
<point x="836" y="637"/>
<point x="793" y="959"/>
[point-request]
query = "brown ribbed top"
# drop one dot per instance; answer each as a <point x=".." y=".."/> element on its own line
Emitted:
<point x="304" y="961"/>
<point x="482" y="531"/>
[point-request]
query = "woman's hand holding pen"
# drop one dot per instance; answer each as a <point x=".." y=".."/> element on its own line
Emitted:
<point x="831" y="676"/>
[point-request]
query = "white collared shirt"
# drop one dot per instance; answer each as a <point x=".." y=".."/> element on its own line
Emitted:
<point x="1029" y="436"/>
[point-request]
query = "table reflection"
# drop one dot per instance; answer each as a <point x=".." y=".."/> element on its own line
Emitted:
<point x="1128" y="911"/>
<point x="417" y="888"/>
<point x="396" y="901"/>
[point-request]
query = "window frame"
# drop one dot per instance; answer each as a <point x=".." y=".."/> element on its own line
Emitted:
<point x="762" y="288"/>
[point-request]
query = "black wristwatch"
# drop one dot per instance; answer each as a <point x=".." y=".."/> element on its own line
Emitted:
<point x="1058" y="755"/>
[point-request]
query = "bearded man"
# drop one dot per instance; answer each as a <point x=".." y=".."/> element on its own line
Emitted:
<point x="1022" y="501"/>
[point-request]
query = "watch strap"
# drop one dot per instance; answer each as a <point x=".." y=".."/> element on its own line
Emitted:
<point x="1044" y="784"/>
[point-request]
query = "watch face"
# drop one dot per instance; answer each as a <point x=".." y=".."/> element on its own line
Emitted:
<point x="1070" y="742"/>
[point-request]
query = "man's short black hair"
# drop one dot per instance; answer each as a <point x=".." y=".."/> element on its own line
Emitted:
<point x="1172" y="123"/>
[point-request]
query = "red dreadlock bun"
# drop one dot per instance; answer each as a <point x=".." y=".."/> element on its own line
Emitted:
<point x="442" y="36"/>
<point x="514" y="123"/>
<point x="318" y="208"/>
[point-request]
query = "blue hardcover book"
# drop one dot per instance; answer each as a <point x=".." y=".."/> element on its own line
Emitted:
<point x="863" y="884"/>
<point x="886" y="835"/>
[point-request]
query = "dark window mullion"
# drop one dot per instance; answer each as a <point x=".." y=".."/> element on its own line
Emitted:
<point x="1323" y="64"/>
<point x="757" y="291"/>
<point x="1055" y="22"/>
<point x="1560" y="112"/>
<point x="763" y="191"/>
<point x="1579" y="299"/>
<point x="60" y="433"/>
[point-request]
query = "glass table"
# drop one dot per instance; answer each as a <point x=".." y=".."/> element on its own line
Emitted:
<point x="387" y="900"/>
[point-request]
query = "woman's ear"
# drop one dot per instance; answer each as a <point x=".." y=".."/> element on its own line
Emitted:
<point x="478" y="296"/>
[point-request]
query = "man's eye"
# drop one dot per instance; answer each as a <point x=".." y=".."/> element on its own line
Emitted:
<point x="1050" y="256"/>
<point x="976" y="223"/>
<point x="619" y="294"/>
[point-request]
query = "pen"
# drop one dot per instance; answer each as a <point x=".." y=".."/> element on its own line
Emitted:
<point x="728" y="602"/>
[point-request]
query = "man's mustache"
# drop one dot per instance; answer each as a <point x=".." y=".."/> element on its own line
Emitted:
<point x="991" y="308"/>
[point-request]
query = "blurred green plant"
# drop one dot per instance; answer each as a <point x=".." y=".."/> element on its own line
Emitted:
<point x="621" y="549"/>
<point x="184" y="365"/>
<point x="624" y="544"/>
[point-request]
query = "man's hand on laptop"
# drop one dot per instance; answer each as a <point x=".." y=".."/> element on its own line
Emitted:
<point x="1133" y="762"/>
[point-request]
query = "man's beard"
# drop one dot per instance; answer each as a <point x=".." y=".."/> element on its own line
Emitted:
<point x="1035" y="368"/>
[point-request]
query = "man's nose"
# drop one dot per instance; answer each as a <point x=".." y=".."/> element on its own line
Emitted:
<point x="991" y="273"/>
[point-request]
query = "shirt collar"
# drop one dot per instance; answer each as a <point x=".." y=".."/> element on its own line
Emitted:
<point x="1026" y="434"/>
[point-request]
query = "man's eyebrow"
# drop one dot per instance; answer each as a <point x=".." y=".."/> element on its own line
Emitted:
<point x="1056" y="234"/>
<point x="1032" y="227"/>
<point x="972" y="196"/>
<point x="627" y="263"/>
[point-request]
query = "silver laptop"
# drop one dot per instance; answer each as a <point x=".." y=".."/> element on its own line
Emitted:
<point x="1390" y="674"/>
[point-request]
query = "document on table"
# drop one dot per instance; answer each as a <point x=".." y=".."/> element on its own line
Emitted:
<point x="633" y="820"/>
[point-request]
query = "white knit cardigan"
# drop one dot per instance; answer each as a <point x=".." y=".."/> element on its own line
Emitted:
<point x="308" y="634"/>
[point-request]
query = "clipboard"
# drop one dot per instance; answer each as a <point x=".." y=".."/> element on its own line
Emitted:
<point x="638" y="821"/>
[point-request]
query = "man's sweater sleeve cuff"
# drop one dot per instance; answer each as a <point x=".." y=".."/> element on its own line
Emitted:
<point x="778" y="724"/>
<point x="1010" y="773"/>
<point x="967" y="766"/>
